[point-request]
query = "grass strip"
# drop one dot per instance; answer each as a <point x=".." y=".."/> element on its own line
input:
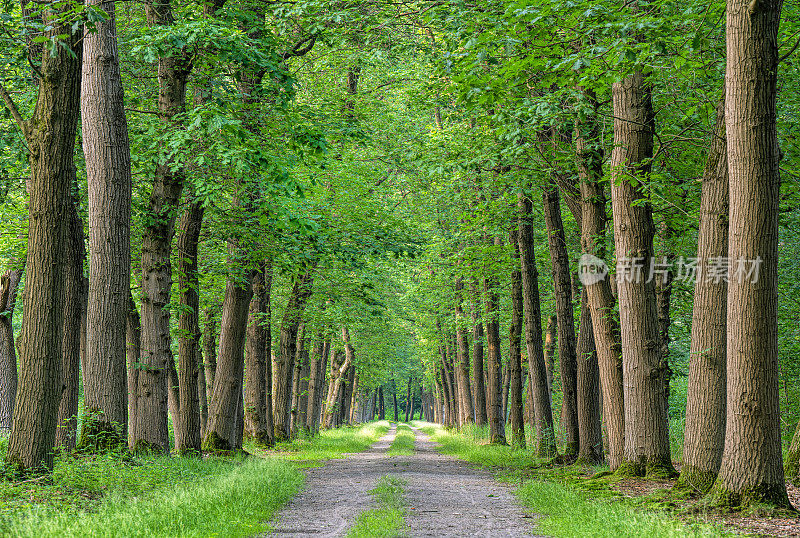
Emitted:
<point x="388" y="519"/>
<point x="236" y="503"/>
<point x="403" y="444"/>
<point x="571" y="505"/>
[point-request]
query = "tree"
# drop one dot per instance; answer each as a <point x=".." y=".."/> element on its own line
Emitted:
<point x="751" y="470"/>
<point x="9" y="286"/>
<point x="515" y="351"/>
<point x="494" y="387"/>
<point x="50" y="135"/>
<point x="108" y="173"/>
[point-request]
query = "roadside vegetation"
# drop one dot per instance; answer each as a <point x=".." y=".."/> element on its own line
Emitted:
<point x="117" y="493"/>
<point x="573" y="500"/>
<point x="403" y="444"/>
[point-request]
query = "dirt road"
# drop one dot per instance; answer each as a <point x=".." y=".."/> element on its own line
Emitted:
<point x="445" y="496"/>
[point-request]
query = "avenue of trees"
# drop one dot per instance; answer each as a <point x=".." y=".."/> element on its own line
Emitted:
<point x="572" y="223"/>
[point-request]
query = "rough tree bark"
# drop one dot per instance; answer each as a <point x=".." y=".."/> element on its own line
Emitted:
<point x="462" y="344"/>
<point x="133" y="337"/>
<point x="301" y="291"/>
<point x="108" y="177"/>
<point x="590" y="431"/>
<point x="209" y="344"/>
<point x="646" y="448"/>
<point x="601" y="301"/>
<point x="751" y="470"/>
<point x="515" y="351"/>
<point x="188" y="438"/>
<point x="255" y="395"/>
<point x="537" y="374"/>
<point x="704" y="435"/>
<point x="550" y="353"/>
<point x="337" y="379"/>
<point x="494" y="392"/>
<point x="9" y="285"/>
<point x="479" y="388"/>
<point x="562" y="285"/>
<point x="50" y="135"/>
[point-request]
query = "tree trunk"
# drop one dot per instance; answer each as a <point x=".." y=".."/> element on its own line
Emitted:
<point x="646" y="449"/>
<point x="494" y="392"/>
<point x="315" y="380"/>
<point x="477" y="359"/>
<point x="394" y="396"/>
<point x="515" y="351"/>
<point x="562" y="285"/>
<point x="188" y="439"/>
<point x="108" y="177"/>
<point x="305" y="374"/>
<point x="704" y="436"/>
<point x="337" y="378"/>
<point x="590" y="431"/>
<point x="550" y="354"/>
<point x="50" y="135"/>
<point x="224" y="415"/>
<point x="751" y="470"/>
<point x="210" y="351"/>
<point x="298" y="368"/>
<point x="255" y="397"/>
<point x="9" y="285"/>
<point x="408" y="400"/>
<point x="133" y="337"/>
<point x="598" y="285"/>
<point x="75" y="290"/>
<point x="301" y="291"/>
<point x="462" y="341"/>
<point x="269" y="417"/>
<point x="537" y="373"/>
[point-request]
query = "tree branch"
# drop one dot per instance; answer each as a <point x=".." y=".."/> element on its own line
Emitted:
<point x="12" y="106"/>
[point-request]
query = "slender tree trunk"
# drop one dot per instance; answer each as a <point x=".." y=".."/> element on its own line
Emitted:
<point x="408" y="400"/>
<point x="337" y="378"/>
<point x="75" y="291"/>
<point x="9" y="285"/>
<point x="477" y="359"/>
<point x="566" y="323"/>
<point x="298" y="368"/>
<point x="751" y="470"/>
<point x="305" y="374"/>
<point x="550" y="354"/>
<point x="209" y="344"/>
<point x="133" y="337"/>
<point x="515" y="351"/>
<point x="188" y="439"/>
<point x="462" y="340"/>
<point x="269" y="417"/>
<point x="394" y="396"/>
<point x="598" y="285"/>
<point x="149" y="423"/>
<point x="225" y="415"/>
<point x="50" y="135"/>
<point x="537" y="373"/>
<point x="646" y="449"/>
<point x="704" y="436"/>
<point x="108" y="176"/>
<point x="590" y="431"/>
<point x="494" y="392"/>
<point x="255" y="398"/>
<point x="315" y="380"/>
<point x="301" y="291"/>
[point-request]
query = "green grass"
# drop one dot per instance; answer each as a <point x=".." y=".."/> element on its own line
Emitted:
<point x="572" y="506"/>
<point x="329" y="444"/>
<point x="120" y="494"/>
<point x="403" y="444"/>
<point x="237" y="502"/>
<point x="388" y="518"/>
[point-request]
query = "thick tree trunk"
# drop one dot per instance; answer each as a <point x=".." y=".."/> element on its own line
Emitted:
<point x="337" y="379"/>
<point x="301" y="291"/>
<point x="108" y="176"/>
<point x="477" y="359"/>
<point x="590" y="445"/>
<point x="255" y="397"/>
<point x="537" y="374"/>
<point x="598" y="285"/>
<point x="75" y="291"/>
<point x="209" y="344"/>
<point x="515" y="351"/>
<point x="188" y="439"/>
<point x="50" y="135"/>
<point x="704" y="436"/>
<point x="565" y="320"/>
<point x="9" y="285"/>
<point x="462" y="341"/>
<point x="494" y="392"/>
<point x="751" y="470"/>
<point x="646" y="449"/>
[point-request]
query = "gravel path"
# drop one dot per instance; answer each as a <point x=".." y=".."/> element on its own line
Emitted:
<point x="445" y="496"/>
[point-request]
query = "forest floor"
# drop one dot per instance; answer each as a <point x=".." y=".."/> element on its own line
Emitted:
<point x="442" y="496"/>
